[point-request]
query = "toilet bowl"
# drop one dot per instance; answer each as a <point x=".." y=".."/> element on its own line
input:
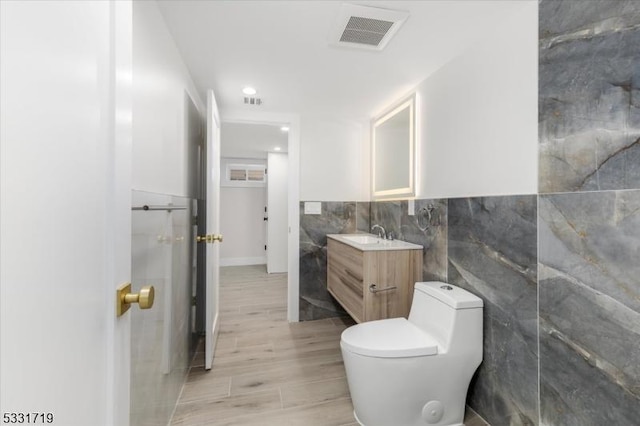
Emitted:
<point x="417" y="371"/>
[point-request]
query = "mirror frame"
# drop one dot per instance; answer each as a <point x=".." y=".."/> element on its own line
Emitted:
<point x="408" y="191"/>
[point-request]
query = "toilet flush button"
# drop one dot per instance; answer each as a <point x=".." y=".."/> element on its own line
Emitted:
<point x="446" y="287"/>
<point x="433" y="411"/>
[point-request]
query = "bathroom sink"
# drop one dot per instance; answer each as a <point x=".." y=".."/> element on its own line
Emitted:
<point x="364" y="239"/>
<point x="368" y="242"/>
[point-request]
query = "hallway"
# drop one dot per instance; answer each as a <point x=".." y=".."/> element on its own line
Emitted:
<point x="267" y="371"/>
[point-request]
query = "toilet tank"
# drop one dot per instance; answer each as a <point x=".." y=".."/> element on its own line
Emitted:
<point x="448" y="313"/>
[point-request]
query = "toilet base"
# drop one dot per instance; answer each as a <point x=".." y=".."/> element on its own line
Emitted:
<point x="355" y="416"/>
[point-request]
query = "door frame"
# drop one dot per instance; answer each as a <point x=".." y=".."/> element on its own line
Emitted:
<point x="212" y="281"/>
<point x="293" y="194"/>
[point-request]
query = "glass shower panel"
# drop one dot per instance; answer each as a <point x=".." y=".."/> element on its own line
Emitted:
<point x="161" y="249"/>
<point x="181" y="296"/>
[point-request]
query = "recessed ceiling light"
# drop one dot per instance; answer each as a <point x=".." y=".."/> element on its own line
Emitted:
<point x="249" y="91"/>
<point x="277" y="148"/>
<point x="284" y="128"/>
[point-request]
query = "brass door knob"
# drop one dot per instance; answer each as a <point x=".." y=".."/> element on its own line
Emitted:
<point x="124" y="298"/>
<point x="144" y="299"/>
<point x="209" y="238"/>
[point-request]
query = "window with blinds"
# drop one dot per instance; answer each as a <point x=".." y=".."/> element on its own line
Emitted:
<point x="246" y="172"/>
<point x="255" y="175"/>
<point x="237" y="174"/>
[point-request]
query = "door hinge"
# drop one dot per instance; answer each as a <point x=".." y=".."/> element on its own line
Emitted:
<point x="193" y="301"/>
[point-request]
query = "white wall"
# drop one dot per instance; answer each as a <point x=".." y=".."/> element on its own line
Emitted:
<point x="278" y="225"/>
<point x="333" y="157"/>
<point x="160" y="84"/>
<point x="478" y="113"/>
<point x="478" y="126"/>
<point x="242" y="225"/>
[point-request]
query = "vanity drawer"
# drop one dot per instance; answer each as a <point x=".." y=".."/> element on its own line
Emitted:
<point x="347" y="291"/>
<point x="348" y="258"/>
<point x="344" y="278"/>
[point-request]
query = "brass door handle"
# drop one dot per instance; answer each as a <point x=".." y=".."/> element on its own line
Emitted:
<point x="209" y="238"/>
<point x="124" y="298"/>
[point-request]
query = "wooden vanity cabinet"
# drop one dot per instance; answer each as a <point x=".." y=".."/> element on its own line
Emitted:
<point x="351" y="271"/>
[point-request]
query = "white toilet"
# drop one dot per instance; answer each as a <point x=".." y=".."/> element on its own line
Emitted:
<point x="416" y="371"/>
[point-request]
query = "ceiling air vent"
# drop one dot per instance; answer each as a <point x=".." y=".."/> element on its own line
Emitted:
<point x="366" y="27"/>
<point x="250" y="100"/>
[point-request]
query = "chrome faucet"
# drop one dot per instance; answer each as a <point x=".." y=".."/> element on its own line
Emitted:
<point x="381" y="232"/>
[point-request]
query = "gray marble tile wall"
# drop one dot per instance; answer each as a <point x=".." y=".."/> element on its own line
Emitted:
<point x="590" y="308"/>
<point x="427" y="227"/>
<point x="493" y="253"/>
<point x="588" y="95"/>
<point x="363" y="219"/>
<point x="589" y="311"/>
<point x="387" y="214"/>
<point x="335" y="218"/>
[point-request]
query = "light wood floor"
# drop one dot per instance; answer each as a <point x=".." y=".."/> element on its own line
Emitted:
<point x="267" y="371"/>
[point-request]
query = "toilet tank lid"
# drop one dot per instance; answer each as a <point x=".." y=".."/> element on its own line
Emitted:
<point x="456" y="297"/>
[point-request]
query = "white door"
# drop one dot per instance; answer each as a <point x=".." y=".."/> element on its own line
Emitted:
<point x="65" y="211"/>
<point x="213" y="228"/>
<point x="277" y="207"/>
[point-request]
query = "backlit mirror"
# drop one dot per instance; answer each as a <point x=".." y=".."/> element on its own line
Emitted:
<point x="393" y="152"/>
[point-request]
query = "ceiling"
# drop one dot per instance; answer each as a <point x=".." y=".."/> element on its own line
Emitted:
<point x="244" y="140"/>
<point x="282" y="49"/>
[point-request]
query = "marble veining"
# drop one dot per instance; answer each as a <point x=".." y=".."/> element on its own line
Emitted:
<point x="394" y="217"/>
<point x="589" y="285"/>
<point x="590" y="308"/>
<point x="588" y="95"/>
<point x="492" y="253"/>
<point x="363" y="217"/>
<point x="433" y="238"/>
<point x="388" y="215"/>
<point x="336" y="218"/>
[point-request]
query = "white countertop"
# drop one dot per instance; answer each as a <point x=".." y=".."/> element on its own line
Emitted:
<point x="370" y="242"/>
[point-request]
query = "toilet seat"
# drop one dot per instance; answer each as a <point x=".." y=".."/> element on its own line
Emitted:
<point x="389" y="338"/>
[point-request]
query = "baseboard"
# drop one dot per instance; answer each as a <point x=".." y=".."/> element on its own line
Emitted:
<point x="243" y="261"/>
